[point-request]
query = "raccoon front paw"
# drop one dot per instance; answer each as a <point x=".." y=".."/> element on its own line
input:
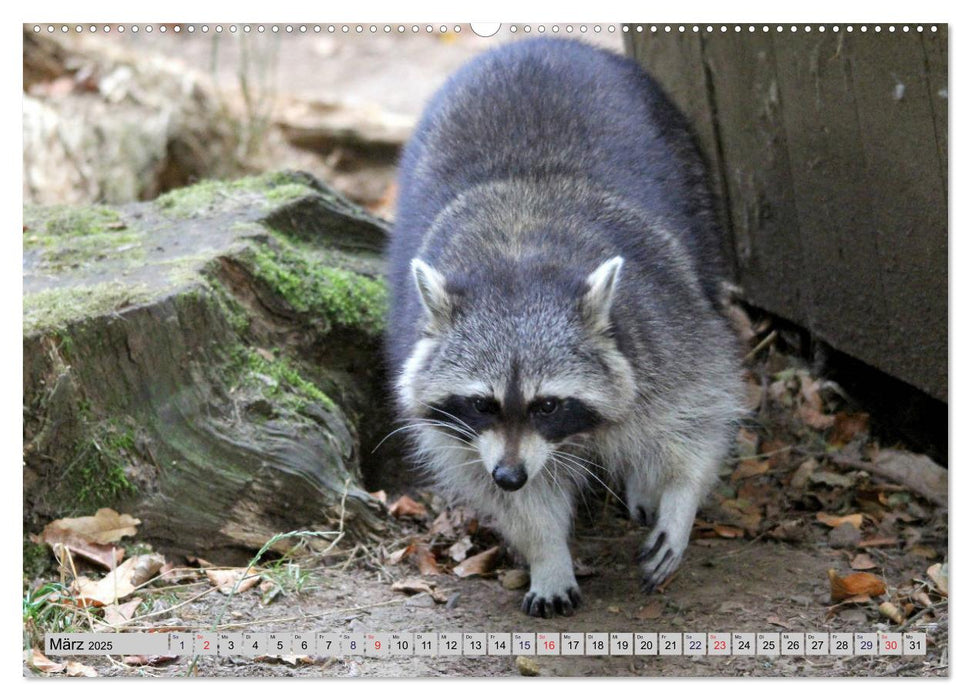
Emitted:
<point x="659" y="558"/>
<point x="562" y="603"/>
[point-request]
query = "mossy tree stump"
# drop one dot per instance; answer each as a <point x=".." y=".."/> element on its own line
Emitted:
<point x="208" y="362"/>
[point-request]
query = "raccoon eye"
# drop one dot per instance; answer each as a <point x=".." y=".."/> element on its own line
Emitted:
<point x="485" y="405"/>
<point x="547" y="406"/>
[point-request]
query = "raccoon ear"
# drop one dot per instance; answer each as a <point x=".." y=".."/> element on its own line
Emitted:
<point x="599" y="295"/>
<point x="432" y="292"/>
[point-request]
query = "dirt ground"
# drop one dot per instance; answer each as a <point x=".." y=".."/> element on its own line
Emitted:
<point x="725" y="585"/>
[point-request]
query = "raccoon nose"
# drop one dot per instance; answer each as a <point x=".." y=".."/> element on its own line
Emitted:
<point x="509" y="476"/>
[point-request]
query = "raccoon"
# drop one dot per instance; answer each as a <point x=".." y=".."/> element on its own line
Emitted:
<point x="555" y="274"/>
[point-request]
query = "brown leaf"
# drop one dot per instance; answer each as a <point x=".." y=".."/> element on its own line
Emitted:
<point x="120" y="614"/>
<point x="115" y="586"/>
<point x="40" y="662"/>
<point x="855" y="519"/>
<point x="743" y="513"/>
<point x="749" y="468"/>
<point x="800" y="477"/>
<point x="891" y="611"/>
<point x="862" y="562"/>
<point x="454" y="522"/>
<point x="104" y="527"/>
<point x="923" y="550"/>
<point x="481" y="563"/>
<point x="225" y="579"/>
<point x="141" y="660"/>
<point x="411" y="586"/>
<point x="76" y="669"/>
<point x="853" y="585"/>
<point x="877" y="542"/>
<point x="846" y="426"/>
<point x="146" y="567"/>
<point x="460" y="550"/>
<point x="728" y="532"/>
<point x="399" y="554"/>
<point x="937" y="573"/>
<point x="778" y="621"/>
<point x="425" y="560"/>
<point x="651" y="611"/>
<point x="406" y="507"/>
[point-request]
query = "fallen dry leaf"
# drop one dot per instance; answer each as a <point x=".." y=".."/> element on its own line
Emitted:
<point x="399" y="554"/>
<point x="413" y="586"/>
<point x="728" y="531"/>
<point x="141" y="660"/>
<point x="937" y="573"/>
<point x="104" y="527"/>
<point x="115" y="586"/>
<point x="778" y="621"/>
<point x="452" y="523"/>
<point x="862" y="562"/>
<point x="891" y="611"/>
<point x="225" y="579"/>
<point x="406" y="507"/>
<point x="800" y="477"/>
<point x="76" y="669"/>
<point x="40" y="662"/>
<point x="107" y="556"/>
<point x="425" y="560"/>
<point x="855" y="519"/>
<point x="749" y="468"/>
<point x="120" y="614"/>
<point x="877" y="542"/>
<point x="854" y="585"/>
<point x="481" y="563"/>
<point x="846" y="426"/>
<point x="651" y="611"/>
<point x="460" y="550"/>
<point x="146" y="567"/>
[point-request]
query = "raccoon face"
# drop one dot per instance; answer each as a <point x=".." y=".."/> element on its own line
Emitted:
<point x="515" y="370"/>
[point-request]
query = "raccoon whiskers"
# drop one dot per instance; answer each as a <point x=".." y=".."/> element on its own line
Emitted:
<point x="577" y="463"/>
<point x="468" y="427"/>
<point x="453" y="431"/>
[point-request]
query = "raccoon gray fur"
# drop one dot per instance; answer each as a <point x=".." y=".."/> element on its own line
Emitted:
<point x="555" y="271"/>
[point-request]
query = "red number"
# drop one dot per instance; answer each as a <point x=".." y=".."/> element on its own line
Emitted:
<point x="719" y="645"/>
<point x="205" y="645"/>
<point x="550" y="645"/>
<point x="892" y="644"/>
<point x="377" y="644"/>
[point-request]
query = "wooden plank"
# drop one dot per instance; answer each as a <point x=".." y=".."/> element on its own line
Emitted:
<point x="770" y="259"/>
<point x="935" y="58"/>
<point x="675" y="61"/>
<point x="908" y="202"/>
<point x="832" y="193"/>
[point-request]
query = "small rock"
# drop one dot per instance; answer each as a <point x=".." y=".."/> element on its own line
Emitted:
<point x="453" y="601"/>
<point x="844" y="536"/>
<point x="854" y="616"/>
<point x="357" y="625"/>
<point x="514" y="579"/>
<point x="527" y="666"/>
<point x="422" y="600"/>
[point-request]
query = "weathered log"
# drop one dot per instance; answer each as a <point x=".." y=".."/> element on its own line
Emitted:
<point x="206" y="362"/>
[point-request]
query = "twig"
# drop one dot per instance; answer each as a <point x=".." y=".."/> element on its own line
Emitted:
<point x="765" y="342"/>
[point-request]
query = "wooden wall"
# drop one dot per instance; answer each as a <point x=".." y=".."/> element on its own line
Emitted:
<point x="829" y="152"/>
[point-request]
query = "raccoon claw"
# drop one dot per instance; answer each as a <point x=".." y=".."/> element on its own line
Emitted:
<point x="537" y="605"/>
<point x="658" y="561"/>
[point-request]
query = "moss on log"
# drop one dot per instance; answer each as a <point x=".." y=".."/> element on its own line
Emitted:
<point x="208" y="362"/>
